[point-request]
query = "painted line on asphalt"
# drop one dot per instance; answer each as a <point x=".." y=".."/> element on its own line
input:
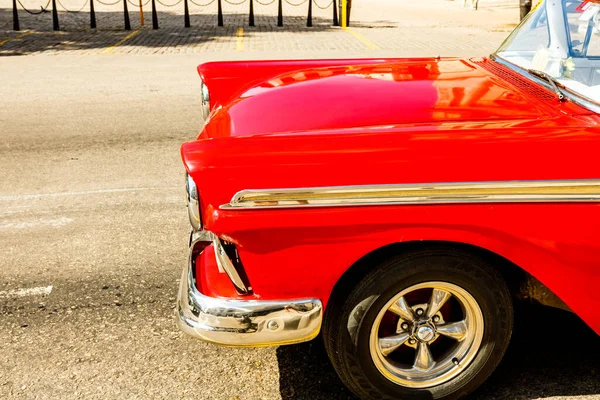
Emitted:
<point x="109" y="50"/>
<point x="2" y="43"/>
<point x="51" y="222"/>
<point x="364" y="40"/>
<point x="81" y="193"/>
<point x="36" y="291"/>
<point x="239" y="41"/>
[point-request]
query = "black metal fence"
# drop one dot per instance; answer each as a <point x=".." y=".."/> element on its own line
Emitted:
<point x="186" y="12"/>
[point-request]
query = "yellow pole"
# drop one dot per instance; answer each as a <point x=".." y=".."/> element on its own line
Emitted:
<point x="344" y="12"/>
<point x="141" y="14"/>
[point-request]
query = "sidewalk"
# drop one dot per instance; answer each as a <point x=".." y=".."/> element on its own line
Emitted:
<point x="408" y="27"/>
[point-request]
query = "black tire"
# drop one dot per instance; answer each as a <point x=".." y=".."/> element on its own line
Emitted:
<point x="347" y="336"/>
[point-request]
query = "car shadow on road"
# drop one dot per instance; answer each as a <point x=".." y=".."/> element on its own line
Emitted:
<point x="552" y="353"/>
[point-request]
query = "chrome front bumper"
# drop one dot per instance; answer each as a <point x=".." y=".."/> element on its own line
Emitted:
<point x="242" y="322"/>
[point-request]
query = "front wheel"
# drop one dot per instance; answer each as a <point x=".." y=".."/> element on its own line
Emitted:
<point x="429" y="324"/>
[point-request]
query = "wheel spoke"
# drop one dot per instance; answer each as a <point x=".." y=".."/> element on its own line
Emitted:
<point x="438" y="299"/>
<point x="401" y="308"/>
<point x="424" y="359"/>
<point x="388" y="344"/>
<point x="454" y="330"/>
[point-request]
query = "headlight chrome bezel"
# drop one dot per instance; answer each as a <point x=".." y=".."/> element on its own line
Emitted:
<point x="205" y="100"/>
<point x="193" y="203"/>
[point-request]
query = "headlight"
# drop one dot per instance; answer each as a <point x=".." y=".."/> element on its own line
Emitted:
<point x="205" y="100"/>
<point x="193" y="203"/>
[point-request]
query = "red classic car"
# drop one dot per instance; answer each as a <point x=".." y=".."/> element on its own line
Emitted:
<point x="399" y="206"/>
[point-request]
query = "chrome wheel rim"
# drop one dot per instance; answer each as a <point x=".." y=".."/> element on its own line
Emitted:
<point x="418" y="343"/>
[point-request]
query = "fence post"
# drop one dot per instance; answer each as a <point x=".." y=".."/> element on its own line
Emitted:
<point x="126" y="16"/>
<point x="92" y="15"/>
<point x="219" y="13"/>
<point x="525" y="7"/>
<point x="335" y="14"/>
<point x="186" y="14"/>
<point x="16" y="25"/>
<point x="154" y="16"/>
<point x="309" y="19"/>
<point x="141" y="13"/>
<point x="251" y="18"/>
<point x="280" y="14"/>
<point x="55" y="24"/>
<point x="348" y="11"/>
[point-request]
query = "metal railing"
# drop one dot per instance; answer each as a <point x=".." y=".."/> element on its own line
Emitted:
<point x="186" y="11"/>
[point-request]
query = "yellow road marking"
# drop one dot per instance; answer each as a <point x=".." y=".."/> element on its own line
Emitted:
<point x="15" y="38"/>
<point x="367" y="42"/>
<point x="109" y="50"/>
<point x="239" y="41"/>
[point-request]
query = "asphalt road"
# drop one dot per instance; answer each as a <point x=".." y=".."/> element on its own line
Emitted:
<point x="92" y="204"/>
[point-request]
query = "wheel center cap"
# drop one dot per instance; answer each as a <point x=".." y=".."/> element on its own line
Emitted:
<point x="425" y="333"/>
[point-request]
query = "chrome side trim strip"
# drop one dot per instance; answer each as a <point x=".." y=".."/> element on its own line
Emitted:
<point x="585" y="190"/>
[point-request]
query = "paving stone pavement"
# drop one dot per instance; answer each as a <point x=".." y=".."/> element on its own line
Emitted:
<point x="408" y="27"/>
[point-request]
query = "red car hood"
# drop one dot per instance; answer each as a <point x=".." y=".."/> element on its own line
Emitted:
<point x="398" y="93"/>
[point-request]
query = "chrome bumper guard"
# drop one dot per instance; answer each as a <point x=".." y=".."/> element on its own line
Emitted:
<point x="242" y="323"/>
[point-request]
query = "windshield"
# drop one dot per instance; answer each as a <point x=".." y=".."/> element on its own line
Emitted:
<point x="562" y="39"/>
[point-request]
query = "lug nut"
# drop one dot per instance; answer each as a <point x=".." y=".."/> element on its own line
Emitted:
<point x="404" y="326"/>
<point x="436" y="318"/>
<point x="420" y="311"/>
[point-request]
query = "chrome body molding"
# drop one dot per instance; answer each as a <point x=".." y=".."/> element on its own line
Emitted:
<point x="193" y="203"/>
<point x="242" y="323"/>
<point x="205" y="100"/>
<point x="585" y="190"/>
<point x="225" y="265"/>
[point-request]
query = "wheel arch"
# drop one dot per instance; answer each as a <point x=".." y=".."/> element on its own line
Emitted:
<point x="522" y="284"/>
